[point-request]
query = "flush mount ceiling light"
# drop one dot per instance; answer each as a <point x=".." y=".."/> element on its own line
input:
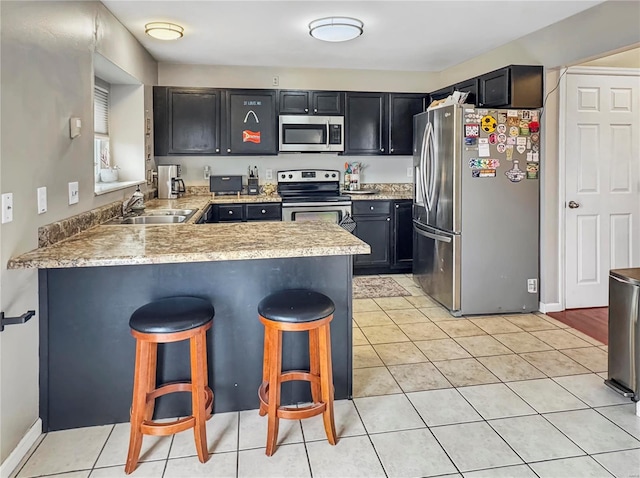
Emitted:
<point x="163" y="30"/>
<point x="336" y="29"/>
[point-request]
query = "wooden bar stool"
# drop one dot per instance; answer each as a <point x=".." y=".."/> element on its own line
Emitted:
<point x="296" y="310"/>
<point x="170" y="320"/>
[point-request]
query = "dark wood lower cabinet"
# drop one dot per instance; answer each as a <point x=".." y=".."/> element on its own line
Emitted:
<point x="240" y="212"/>
<point x="387" y="227"/>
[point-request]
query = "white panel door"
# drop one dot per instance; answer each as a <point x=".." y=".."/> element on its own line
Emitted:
<point x="602" y="201"/>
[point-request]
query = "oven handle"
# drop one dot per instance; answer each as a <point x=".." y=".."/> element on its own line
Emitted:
<point x="317" y="204"/>
<point x="327" y="134"/>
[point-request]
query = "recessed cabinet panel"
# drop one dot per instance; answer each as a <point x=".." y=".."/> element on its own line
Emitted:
<point x="470" y="86"/>
<point x="375" y="231"/>
<point x="251" y="122"/>
<point x="402" y="235"/>
<point x="364" y="120"/>
<point x="193" y="121"/>
<point x="402" y="109"/>
<point x="327" y="102"/>
<point x="494" y="88"/>
<point x="294" y="102"/>
<point x="441" y="93"/>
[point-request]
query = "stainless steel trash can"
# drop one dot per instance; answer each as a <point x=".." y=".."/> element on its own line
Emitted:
<point x="624" y="332"/>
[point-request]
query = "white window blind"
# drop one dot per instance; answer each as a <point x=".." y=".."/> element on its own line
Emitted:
<point x="100" y="110"/>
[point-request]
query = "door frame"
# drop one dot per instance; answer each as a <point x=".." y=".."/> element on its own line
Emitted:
<point x="562" y="172"/>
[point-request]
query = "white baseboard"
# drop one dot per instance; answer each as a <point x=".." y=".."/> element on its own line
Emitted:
<point x="552" y="307"/>
<point x="20" y="451"/>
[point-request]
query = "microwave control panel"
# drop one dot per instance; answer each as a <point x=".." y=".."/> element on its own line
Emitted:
<point x="335" y="134"/>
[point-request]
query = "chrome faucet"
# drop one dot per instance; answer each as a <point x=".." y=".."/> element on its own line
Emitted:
<point x="136" y="201"/>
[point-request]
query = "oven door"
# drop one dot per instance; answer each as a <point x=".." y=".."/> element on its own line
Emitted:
<point x="333" y="213"/>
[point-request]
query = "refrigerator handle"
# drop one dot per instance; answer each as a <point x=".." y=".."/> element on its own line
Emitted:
<point x="428" y="172"/>
<point x="421" y="167"/>
<point x="431" y="193"/>
<point x="430" y="235"/>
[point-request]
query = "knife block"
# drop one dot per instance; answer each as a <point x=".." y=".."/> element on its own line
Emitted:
<point x="253" y="187"/>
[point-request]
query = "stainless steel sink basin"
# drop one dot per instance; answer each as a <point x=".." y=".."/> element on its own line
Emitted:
<point x="169" y="212"/>
<point x="174" y="219"/>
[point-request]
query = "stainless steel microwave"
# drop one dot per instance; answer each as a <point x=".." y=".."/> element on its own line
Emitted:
<point x="300" y="133"/>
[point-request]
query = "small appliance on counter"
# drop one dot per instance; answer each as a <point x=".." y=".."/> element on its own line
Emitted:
<point x="253" y="187"/>
<point x="225" y="184"/>
<point x="170" y="186"/>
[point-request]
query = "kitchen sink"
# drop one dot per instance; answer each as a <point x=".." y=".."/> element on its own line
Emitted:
<point x="146" y="220"/>
<point x="170" y="212"/>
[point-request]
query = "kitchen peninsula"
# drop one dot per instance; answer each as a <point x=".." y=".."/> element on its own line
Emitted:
<point x="90" y="284"/>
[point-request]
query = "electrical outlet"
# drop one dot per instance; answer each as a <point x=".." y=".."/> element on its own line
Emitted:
<point x="42" y="200"/>
<point x="532" y="286"/>
<point x="268" y="173"/>
<point x="74" y="196"/>
<point x="409" y="172"/>
<point x="275" y="81"/>
<point x="7" y="207"/>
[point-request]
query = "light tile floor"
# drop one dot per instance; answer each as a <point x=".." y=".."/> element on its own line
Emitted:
<point x="434" y="395"/>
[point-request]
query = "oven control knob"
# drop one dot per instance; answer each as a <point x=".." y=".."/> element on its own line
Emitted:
<point x="326" y="175"/>
<point x="333" y="175"/>
<point x="290" y="176"/>
<point x="283" y="176"/>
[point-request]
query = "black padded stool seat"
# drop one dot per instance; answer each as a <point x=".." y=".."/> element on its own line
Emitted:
<point x="296" y="310"/>
<point x="295" y="306"/>
<point x="170" y="315"/>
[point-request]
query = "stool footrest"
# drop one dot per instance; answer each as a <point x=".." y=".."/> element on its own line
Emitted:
<point x="290" y="412"/>
<point x="169" y="388"/>
<point x="161" y="429"/>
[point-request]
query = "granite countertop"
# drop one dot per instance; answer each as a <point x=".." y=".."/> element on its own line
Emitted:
<point x="163" y="244"/>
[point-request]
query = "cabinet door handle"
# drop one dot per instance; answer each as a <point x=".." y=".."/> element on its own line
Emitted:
<point x="306" y="110"/>
<point x="228" y="150"/>
<point x="382" y="150"/>
<point x="397" y="206"/>
<point x="392" y="150"/>
<point x="217" y="150"/>
<point x="371" y="207"/>
<point x="388" y="219"/>
<point x="230" y="212"/>
<point x="315" y="110"/>
<point x="264" y="212"/>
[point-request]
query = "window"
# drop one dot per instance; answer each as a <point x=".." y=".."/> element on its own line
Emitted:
<point x="101" y="152"/>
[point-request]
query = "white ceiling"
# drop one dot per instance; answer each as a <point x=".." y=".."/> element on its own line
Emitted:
<point x="398" y="35"/>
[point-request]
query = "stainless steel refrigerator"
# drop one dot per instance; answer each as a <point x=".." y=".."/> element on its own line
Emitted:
<point x="476" y="208"/>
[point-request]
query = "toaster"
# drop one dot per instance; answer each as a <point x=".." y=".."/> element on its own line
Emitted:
<point x="225" y="184"/>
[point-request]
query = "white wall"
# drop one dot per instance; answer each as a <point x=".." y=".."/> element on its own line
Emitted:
<point x="126" y="118"/>
<point x="608" y="27"/>
<point x="46" y="77"/>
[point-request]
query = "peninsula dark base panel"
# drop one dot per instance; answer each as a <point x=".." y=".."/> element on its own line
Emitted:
<point x="87" y="353"/>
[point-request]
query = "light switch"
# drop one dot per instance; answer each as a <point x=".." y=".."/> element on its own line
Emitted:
<point x="7" y="207"/>
<point x="268" y="174"/>
<point x="73" y="193"/>
<point x="75" y="125"/>
<point x="409" y="172"/>
<point x="42" y="200"/>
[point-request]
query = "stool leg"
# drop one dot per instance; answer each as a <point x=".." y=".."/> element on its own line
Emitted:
<point x="138" y="408"/>
<point x="326" y="382"/>
<point x="314" y="364"/>
<point x="275" y="369"/>
<point x="198" y="395"/>
<point x="151" y="378"/>
<point x="265" y="368"/>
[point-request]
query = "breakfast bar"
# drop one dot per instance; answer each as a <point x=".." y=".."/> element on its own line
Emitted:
<point x="90" y="284"/>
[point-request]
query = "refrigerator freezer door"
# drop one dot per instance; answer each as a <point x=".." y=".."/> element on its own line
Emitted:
<point x="436" y="264"/>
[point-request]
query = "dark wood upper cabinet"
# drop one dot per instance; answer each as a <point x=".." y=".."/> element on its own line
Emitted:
<point x="441" y="93"/>
<point x="516" y="86"/>
<point x="470" y="86"/>
<point x="187" y="121"/>
<point x="402" y="108"/>
<point x="365" y="116"/>
<point x="293" y="102"/>
<point x="327" y="102"/>
<point x="251" y="122"/>
<point x="301" y="102"/>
